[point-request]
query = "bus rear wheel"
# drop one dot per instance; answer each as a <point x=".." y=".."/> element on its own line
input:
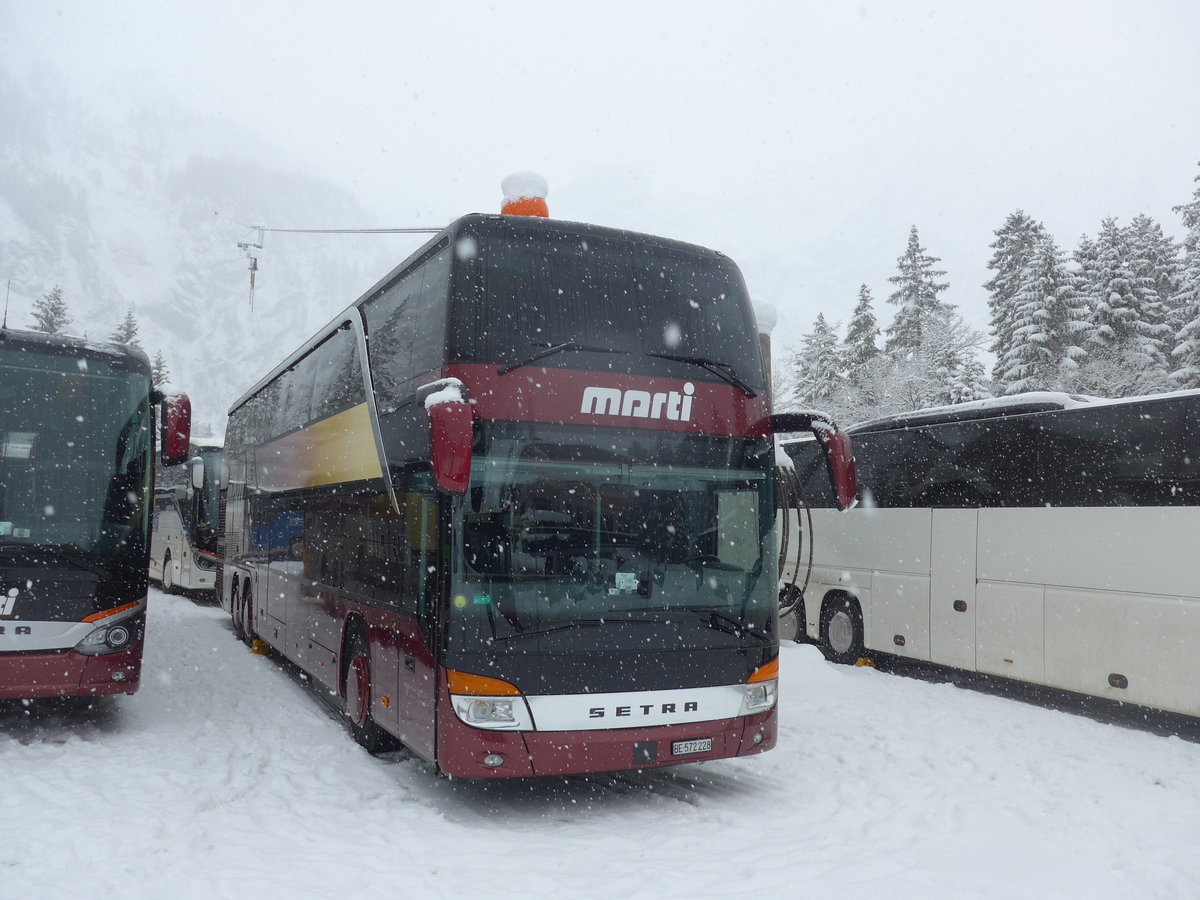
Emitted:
<point x="168" y="577"/>
<point x="356" y="697"/>
<point x="842" y="630"/>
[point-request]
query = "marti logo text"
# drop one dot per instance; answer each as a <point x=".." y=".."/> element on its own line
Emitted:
<point x="8" y="600"/>
<point x="639" y="404"/>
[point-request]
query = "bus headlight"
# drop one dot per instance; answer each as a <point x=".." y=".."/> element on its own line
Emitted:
<point x="501" y="713"/>
<point x="495" y="712"/>
<point x="759" y="697"/>
<point x="112" y="635"/>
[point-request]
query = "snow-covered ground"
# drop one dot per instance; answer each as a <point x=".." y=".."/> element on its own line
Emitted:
<point x="224" y="777"/>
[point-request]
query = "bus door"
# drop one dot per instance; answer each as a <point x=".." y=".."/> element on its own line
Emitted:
<point x="415" y="541"/>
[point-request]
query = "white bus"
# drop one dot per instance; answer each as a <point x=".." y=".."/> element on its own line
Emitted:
<point x="184" y="529"/>
<point x="1045" y="538"/>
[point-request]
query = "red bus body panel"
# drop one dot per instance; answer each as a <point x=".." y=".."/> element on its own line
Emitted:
<point x="536" y="394"/>
<point x="65" y="673"/>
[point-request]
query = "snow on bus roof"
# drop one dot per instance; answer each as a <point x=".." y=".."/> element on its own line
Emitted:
<point x="75" y="342"/>
<point x="1014" y="404"/>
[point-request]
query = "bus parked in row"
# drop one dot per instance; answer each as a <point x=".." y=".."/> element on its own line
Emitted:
<point x="76" y="473"/>
<point x="513" y="508"/>
<point x="1045" y="538"/>
<point x="184" y="530"/>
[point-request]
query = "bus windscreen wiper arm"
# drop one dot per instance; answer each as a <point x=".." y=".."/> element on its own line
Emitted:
<point x="733" y="625"/>
<point x="721" y="370"/>
<point x="578" y="623"/>
<point x="557" y="348"/>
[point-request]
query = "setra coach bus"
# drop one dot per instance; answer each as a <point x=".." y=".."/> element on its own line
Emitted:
<point x="76" y="473"/>
<point x="513" y="509"/>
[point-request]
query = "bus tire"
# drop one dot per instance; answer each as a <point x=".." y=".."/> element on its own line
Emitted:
<point x="356" y="695"/>
<point x="245" y="625"/>
<point x="842" y="629"/>
<point x="168" y="577"/>
<point x="234" y="612"/>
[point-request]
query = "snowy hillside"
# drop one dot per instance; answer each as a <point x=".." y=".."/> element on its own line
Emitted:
<point x="225" y="778"/>
<point x="143" y="210"/>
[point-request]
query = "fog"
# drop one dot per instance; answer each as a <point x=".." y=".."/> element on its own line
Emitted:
<point x="801" y="138"/>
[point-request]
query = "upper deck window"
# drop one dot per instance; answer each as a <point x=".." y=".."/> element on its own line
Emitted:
<point x="521" y="289"/>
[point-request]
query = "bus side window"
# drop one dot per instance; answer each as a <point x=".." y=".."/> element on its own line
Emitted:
<point x="391" y="335"/>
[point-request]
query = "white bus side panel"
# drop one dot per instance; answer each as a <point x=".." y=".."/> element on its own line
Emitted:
<point x="1011" y="625"/>
<point x="880" y="556"/>
<point x="1135" y="550"/>
<point x="898" y="620"/>
<point x="952" y="580"/>
<point x="1150" y="641"/>
<point x="1121" y="596"/>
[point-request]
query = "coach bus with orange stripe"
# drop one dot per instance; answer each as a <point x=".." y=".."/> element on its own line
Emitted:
<point x="528" y="478"/>
<point x="76" y="445"/>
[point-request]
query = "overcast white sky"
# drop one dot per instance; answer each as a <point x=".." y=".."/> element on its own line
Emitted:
<point x="803" y="138"/>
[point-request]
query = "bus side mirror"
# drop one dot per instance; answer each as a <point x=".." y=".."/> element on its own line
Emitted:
<point x="197" y="465"/>
<point x="451" y="432"/>
<point x="175" y="429"/>
<point x="839" y="454"/>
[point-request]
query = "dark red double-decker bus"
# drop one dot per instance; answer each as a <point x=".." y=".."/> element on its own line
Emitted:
<point x="514" y="507"/>
<point x="76" y="472"/>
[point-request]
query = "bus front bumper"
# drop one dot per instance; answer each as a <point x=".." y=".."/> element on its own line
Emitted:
<point x="65" y="673"/>
<point x="468" y="752"/>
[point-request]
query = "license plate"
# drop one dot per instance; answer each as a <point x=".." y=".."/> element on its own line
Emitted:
<point x="684" y="748"/>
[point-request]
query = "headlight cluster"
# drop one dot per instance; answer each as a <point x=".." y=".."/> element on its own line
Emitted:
<point x="110" y="636"/>
<point x="760" y="696"/>
<point x="506" y="713"/>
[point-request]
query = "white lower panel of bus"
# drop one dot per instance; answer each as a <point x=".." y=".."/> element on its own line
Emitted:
<point x="638" y="709"/>
<point x="22" y="636"/>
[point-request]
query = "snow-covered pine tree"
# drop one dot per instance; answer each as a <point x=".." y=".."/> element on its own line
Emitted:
<point x="1125" y="319"/>
<point x="1154" y="264"/>
<point x="159" y="373"/>
<point x="860" y="348"/>
<point x="127" y="332"/>
<point x="916" y="294"/>
<point x="1187" y="297"/>
<point x="817" y="365"/>
<point x="1048" y="324"/>
<point x="949" y="353"/>
<point x="50" y="312"/>
<point x="1016" y="242"/>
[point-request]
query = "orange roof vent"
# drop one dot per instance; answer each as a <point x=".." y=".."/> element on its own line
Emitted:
<point x="525" y="195"/>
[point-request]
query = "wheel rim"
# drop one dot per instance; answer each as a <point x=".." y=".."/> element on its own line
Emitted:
<point x="358" y="690"/>
<point x="168" y="579"/>
<point x="247" y="614"/>
<point x="841" y="632"/>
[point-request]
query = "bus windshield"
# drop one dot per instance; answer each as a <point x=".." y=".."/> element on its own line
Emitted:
<point x="61" y="496"/>
<point x="565" y="532"/>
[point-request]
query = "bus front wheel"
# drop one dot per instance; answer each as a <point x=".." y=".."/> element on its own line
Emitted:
<point x="356" y="697"/>
<point x="168" y="577"/>
<point x="842" y="629"/>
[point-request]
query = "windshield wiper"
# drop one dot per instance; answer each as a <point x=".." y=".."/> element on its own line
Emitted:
<point x="557" y="348"/>
<point x="722" y="370"/>
<point x="732" y="625"/>
<point x="68" y="553"/>
<point x="578" y="623"/>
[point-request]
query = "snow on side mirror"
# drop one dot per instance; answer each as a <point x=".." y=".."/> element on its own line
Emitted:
<point x="835" y="444"/>
<point x="175" y="429"/>
<point x="451" y="432"/>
